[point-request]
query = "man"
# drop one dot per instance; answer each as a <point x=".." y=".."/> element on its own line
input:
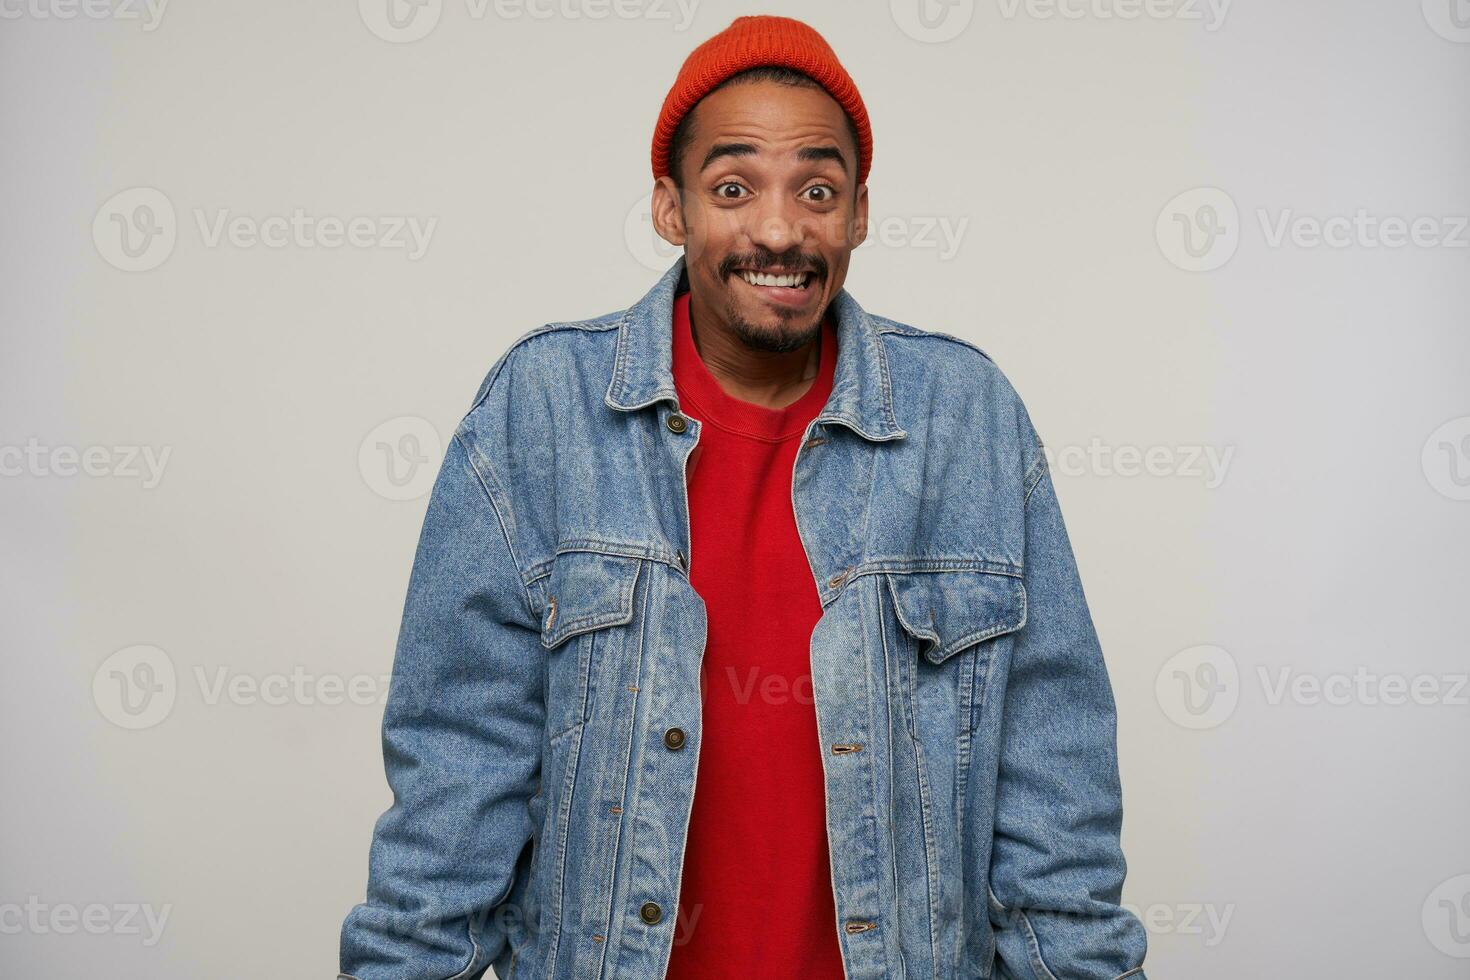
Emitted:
<point x="744" y="637"/>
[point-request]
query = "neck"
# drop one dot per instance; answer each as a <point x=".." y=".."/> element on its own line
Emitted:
<point x="770" y="379"/>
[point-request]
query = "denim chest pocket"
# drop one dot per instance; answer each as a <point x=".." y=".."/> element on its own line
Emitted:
<point x="953" y="620"/>
<point x="588" y="596"/>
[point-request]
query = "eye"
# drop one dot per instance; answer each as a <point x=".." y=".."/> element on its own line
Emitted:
<point x="827" y="193"/>
<point x="720" y="190"/>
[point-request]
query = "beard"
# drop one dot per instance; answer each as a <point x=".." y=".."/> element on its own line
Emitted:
<point x="781" y="340"/>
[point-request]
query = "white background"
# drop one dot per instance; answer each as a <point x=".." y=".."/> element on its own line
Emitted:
<point x="1315" y="829"/>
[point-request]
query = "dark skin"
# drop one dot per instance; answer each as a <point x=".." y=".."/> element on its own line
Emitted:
<point x="769" y="187"/>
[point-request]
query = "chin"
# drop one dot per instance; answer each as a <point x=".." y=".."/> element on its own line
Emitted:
<point x="786" y="334"/>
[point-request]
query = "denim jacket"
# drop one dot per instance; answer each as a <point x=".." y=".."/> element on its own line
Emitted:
<point x="551" y="641"/>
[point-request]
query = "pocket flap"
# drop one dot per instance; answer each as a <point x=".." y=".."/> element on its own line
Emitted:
<point x="587" y="590"/>
<point x="950" y="610"/>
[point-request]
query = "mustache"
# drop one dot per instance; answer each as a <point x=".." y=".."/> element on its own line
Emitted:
<point x="814" y="264"/>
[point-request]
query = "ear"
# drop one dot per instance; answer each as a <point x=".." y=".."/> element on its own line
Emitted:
<point x="860" y="225"/>
<point x="668" y="212"/>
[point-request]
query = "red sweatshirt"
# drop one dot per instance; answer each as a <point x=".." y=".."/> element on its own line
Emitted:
<point x="756" y="892"/>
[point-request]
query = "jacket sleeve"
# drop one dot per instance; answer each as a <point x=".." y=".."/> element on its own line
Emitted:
<point x="1057" y="867"/>
<point x="462" y="731"/>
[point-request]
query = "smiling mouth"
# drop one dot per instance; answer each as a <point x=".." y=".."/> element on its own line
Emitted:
<point x="792" y="280"/>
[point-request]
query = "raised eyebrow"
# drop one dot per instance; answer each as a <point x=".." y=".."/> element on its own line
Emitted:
<point x="816" y="154"/>
<point x="727" y="150"/>
<point x="807" y="154"/>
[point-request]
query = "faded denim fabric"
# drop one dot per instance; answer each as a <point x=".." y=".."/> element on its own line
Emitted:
<point x="551" y="637"/>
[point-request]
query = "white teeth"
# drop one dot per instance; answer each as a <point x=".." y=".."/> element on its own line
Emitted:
<point x="761" y="279"/>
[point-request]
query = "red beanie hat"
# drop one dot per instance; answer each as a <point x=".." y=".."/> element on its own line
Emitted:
<point x="747" y="43"/>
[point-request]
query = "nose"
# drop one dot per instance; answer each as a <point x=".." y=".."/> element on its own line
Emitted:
<point x="778" y="224"/>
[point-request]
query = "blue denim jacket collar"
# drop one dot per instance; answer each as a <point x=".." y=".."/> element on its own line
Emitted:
<point x="862" y="395"/>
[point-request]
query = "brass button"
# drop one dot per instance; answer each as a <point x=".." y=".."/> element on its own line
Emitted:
<point x="674" y="739"/>
<point x="650" y="913"/>
<point x="677" y="422"/>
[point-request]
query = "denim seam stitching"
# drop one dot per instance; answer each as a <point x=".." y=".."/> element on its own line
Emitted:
<point x="885" y="382"/>
<point x="985" y="566"/>
<point x="1037" y="470"/>
<point x="960" y="643"/>
<point x="597" y="620"/>
<point x="608" y="549"/>
<point x="908" y="330"/>
<point x="477" y="460"/>
<point x="587" y="326"/>
<point x="474" y="945"/>
<point x="563" y="814"/>
<point x="908" y="683"/>
<point x="931" y="848"/>
<point x="888" y="719"/>
<point x="1033" y="946"/>
<point x="996" y="905"/>
<point x="627" y="764"/>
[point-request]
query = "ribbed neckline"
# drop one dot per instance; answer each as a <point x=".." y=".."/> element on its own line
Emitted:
<point x="711" y="403"/>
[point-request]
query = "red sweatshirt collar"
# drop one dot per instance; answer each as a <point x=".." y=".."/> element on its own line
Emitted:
<point x="709" y="402"/>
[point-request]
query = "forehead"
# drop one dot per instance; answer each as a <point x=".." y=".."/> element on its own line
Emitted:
<point x="769" y="112"/>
